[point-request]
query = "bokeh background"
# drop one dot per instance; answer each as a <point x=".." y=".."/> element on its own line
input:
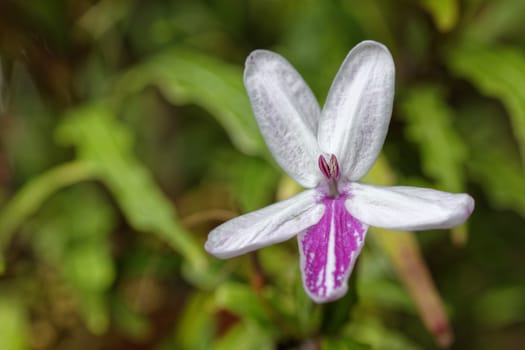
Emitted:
<point x="126" y="135"/>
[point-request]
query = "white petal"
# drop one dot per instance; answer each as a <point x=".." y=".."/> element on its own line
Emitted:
<point x="408" y="208"/>
<point x="273" y="224"/>
<point x="287" y="114"/>
<point x="357" y="111"/>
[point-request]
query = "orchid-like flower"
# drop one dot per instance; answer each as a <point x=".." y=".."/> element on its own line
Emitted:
<point x="328" y="151"/>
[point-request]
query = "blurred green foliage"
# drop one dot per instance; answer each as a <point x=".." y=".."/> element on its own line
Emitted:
<point x="126" y="135"/>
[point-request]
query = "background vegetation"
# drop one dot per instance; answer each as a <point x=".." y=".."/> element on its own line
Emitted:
<point x="126" y="135"/>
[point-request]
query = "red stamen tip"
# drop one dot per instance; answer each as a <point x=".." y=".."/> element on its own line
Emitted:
<point x="330" y="169"/>
<point x="324" y="167"/>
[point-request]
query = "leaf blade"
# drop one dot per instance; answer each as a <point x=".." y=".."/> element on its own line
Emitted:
<point x="497" y="72"/>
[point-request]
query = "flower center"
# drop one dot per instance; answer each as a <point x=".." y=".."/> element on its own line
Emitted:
<point x="330" y="170"/>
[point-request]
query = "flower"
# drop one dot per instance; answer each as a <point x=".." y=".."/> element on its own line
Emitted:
<point x="328" y="151"/>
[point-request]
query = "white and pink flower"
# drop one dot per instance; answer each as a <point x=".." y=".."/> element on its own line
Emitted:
<point x="328" y="151"/>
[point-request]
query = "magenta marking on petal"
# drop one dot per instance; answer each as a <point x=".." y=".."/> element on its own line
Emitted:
<point x="329" y="250"/>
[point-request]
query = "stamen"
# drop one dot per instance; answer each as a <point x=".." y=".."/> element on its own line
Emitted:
<point x="331" y="172"/>
<point x="325" y="168"/>
<point x="334" y="167"/>
<point x="330" y="169"/>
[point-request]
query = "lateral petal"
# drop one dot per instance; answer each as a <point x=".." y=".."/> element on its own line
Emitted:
<point x="287" y="113"/>
<point x="358" y="107"/>
<point x="329" y="250"/>
<point x="275" y="223"/>
<point x="408" y="208"/>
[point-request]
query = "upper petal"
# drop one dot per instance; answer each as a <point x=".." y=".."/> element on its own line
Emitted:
<point x="357" y="111"/>
<point x="272" y="224"/>
<point x="408" y="208"/>
<point x="287" y="113"/>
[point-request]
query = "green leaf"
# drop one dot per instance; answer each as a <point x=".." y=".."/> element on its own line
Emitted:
<point x="14" y="332"/>
<point x="80" y="252"/>
<point x="501" y="306"/>
<point x="338" y="313"/>
<point x="107" y="144"/>
<point x="322" y="31"/>
<point x="242" y="300"/>
<point x="281" y="266"/>
<point x="255" y="184"/>
<point x="90" y="267"/>
<point x="185" y="76"/>
<point x="129" y="321"/>
<point x="94" y="309"/>
<point x="494" y="162"/>
<point x="444" y="12"/>
<point x="253" y="180"/>
<point x="497" y="72"/>
<point x="375" y="285"/>
<point x="342" y="344"/>
<point x="491" y="21"/>
<point x="307" y="314"/>
<point x="429" y="124"/>
<point x="195" y="327"/>
<point x="246" y="336"/>
<point x="379" y="337"/>
<point x="33" y="194"/>
<point x="501" y="178"/>
<point x="103" y="16"/>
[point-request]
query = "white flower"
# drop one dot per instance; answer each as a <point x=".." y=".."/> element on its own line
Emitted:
<point x="328" y="151"/>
